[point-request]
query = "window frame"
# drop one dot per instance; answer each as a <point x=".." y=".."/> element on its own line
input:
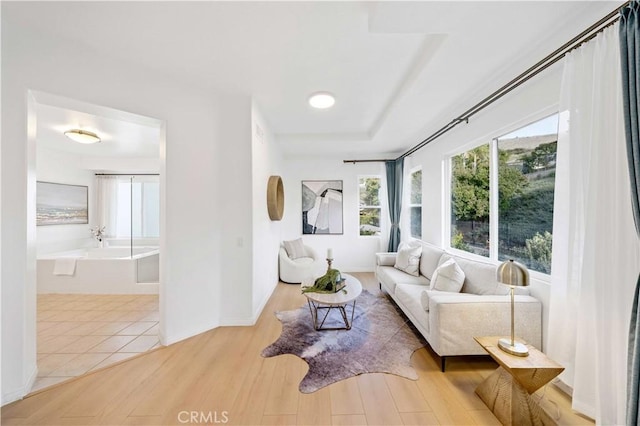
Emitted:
<point x="379" y="207"/>
<point x="494" y="213"/>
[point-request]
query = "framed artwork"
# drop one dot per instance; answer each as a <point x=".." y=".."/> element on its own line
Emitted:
<point x="322" y="207"/>
<point x="61" y="204"/>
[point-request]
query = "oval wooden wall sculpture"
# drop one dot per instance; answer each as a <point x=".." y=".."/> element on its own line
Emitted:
<point x="275" y="198"/>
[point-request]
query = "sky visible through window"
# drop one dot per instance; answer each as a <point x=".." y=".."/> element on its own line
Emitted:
<point x="546" y="126"/>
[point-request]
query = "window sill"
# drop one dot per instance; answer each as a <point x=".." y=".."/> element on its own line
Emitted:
<point x="534" y="275"/>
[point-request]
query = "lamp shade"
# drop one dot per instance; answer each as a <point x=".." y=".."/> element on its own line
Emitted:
<point x="82" y="136"/>
<point x="513" y="273"/>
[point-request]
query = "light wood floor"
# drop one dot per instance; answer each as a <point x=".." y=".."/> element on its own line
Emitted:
<point x="220" y="376"/>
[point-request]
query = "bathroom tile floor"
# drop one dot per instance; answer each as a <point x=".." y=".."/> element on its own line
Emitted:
<point x="78" y="333"/>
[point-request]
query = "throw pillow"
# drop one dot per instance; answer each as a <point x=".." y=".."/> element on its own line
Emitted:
<point x="448" y="277"/>
<point x="408" y="258"/>
<point x="295" y="248"/>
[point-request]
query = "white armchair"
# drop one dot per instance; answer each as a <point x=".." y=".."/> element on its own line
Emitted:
<point x="294" y="271"/>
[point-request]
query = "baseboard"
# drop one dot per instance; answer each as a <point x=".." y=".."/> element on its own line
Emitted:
<point x="166" y="340"/>
<point x="347" y="269"/>
<point x="233" y="322"/>
<point x="18" y="394"/>
<point x="244" y="321"/>
<point x="263" y="303"/>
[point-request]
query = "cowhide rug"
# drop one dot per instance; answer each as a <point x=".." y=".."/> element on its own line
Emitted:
<point x="381" y="340"/>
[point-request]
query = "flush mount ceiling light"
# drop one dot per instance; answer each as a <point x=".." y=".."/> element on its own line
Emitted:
<point x="322" y="100"/>
<point x="82" y="136"/>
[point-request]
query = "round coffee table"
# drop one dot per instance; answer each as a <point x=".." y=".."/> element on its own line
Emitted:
<point x="340" y="301"/>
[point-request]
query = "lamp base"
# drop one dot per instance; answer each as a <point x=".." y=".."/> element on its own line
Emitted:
<point x="517" y="349"/>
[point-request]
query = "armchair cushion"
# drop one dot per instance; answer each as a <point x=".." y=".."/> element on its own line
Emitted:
<point x="295" y="248"/>
<point x="299" y="269"/>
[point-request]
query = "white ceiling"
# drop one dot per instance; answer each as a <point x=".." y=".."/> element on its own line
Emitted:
<point x="399" y="70"/>
<point x="119" y="138"/>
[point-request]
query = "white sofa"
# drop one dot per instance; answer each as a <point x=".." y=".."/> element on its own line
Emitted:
<point x="449" y="321"/>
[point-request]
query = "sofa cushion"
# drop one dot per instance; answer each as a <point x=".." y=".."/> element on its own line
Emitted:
<point x="424" y="299"/>
<point x="409" y="296"/>
<point x="295" y="248"/>
<point x="429" y="260"/>
<point x="390" y="276"/>
<point x="448" y="277"/>
<point x="480" y="277"/>
<point x="408" y="258"/>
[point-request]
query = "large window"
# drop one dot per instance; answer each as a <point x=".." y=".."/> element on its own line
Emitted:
<point x="138" y="209"/>
<point x="415" y="203"/>
<point x="528" y="173"/>
<point x="369" y="196"/>
<point x="470" y="200"/>
<point x="502" y="196"/>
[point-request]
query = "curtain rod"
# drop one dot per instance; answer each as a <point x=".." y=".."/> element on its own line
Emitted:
<point x="364" y="161"/>
<point x="527" y="75"/>
<point x="127" y="174"/>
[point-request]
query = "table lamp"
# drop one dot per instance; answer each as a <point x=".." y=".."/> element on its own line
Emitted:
<point x="513" y="274"/>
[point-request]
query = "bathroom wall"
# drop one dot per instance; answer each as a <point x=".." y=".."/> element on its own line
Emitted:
<point x="59" y="167"/>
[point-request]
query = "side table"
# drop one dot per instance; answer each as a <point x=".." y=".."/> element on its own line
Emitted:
<point x="507" y="391"/>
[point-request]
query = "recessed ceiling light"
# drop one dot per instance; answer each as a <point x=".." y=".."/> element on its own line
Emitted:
<point x="322" y="100"/>
<point x="82" y="136"/>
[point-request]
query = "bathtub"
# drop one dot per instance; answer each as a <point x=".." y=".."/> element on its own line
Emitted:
<point x="110" y="270"/>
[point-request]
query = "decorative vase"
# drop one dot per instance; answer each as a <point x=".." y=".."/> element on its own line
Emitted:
<point x="100" y="244"/>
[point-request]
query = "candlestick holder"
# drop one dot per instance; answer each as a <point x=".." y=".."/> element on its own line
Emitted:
<point x="329" y="261"/>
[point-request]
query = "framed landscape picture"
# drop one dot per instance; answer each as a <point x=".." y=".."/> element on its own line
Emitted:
<point x="322" y="207"/>
<point x="60" y="204"/>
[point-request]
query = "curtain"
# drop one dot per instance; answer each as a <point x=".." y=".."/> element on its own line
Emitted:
<point x="595" y="251"/>
<point x="385" y="223"/>
<point x="107" y="201"/>
<point x="394" y="193"/>
<point x="405" y="215"/>
<point x="630" y="69"/>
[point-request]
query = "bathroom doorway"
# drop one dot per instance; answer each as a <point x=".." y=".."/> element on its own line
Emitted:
<point x="98" y="261"/>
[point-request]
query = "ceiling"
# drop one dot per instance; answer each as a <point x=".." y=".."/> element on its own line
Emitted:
<point x="119" y="137"/>
<point x="399" y="70"/>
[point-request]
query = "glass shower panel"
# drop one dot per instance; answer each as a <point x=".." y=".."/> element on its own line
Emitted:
<point x="145" y="216"/>
<point x="136" y="215"/>
<point x="151" y="210"/>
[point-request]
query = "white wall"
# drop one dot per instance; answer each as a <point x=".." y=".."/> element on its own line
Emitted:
<point x="534" y="100"/>
<point x="351" y="251"/>
<point x="235" y="209"/>
<point x="266" y="159"/>
<point x="60" y="167"/>
<point x="205" y="170"/>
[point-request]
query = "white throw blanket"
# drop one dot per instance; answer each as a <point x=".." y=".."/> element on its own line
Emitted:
<point x="65" y="266"/>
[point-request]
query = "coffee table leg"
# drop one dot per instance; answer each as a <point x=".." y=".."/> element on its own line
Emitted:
<point x="314" y="313"/>
<point x="313" y="309"/>
<point x="343" y="310"/>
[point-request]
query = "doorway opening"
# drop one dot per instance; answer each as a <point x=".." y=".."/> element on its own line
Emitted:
<point x="98" y="212"/>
